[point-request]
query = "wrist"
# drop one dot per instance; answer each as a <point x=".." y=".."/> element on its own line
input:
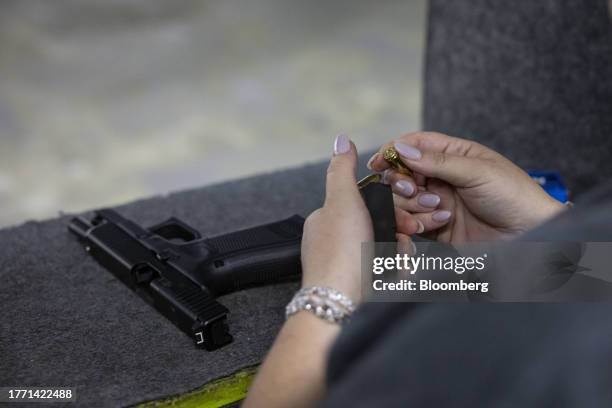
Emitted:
<point x="338" y="282"/>
<point x="549" y="209"/>
<point x="554" y="208"/>
<point x="326" y="303"/>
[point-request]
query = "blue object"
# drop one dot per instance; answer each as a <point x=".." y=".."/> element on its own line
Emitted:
<point x="552" y="182"/>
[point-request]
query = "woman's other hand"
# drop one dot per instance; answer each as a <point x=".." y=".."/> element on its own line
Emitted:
<point x="478" y="194"/>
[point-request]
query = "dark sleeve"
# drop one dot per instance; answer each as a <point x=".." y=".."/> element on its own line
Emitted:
<point x="475" y="355"/>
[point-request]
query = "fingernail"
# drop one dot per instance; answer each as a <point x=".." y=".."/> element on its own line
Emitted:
<point x="342" y="144"/>
<point x="369" y="165"/>
<point x="407" y="151"/>
<point x="404" y="187"/>
<point x="421" y="227"/>
<point x="428" y="200"/>
<point x="385" y="176"/>
<point x="441" y="216"/>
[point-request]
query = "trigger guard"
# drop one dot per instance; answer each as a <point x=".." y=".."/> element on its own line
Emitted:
<point x="173" y="229"/>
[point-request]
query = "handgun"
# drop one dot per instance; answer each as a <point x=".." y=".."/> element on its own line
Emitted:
<point x="180" y="273"/>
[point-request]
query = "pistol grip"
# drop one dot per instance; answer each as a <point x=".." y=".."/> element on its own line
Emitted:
<point x="257" y="256"/>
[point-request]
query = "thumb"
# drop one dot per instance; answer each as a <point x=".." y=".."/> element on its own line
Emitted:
<point x="459" y="171"/>
<point x="341" y="183"/>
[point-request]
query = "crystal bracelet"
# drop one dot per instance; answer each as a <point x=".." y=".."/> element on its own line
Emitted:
<point x="326" y="303"/>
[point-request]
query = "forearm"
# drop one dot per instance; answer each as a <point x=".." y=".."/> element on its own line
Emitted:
<point x="293" y="373"/>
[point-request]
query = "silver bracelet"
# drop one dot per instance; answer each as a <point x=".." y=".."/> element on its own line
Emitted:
<point x="326" y="303"/>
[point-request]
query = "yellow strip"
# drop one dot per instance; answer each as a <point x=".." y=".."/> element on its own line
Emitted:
<point x="215" y="394"/>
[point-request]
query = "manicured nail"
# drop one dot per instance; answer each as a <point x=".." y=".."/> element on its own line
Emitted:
<point x="407" y="151"/>
<point x="342" y="144"/>
<point x="385" y="176"/>
<point x="369" y="165"/>
<point x="420" y="228"/>
<point x="428" y="200"/>
<point x="441" y="216"/>
<point x="404" y="187"/>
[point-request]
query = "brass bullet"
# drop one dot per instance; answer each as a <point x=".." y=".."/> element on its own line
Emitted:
<point x="371" y="178"/>
<point x="393" y="158"/>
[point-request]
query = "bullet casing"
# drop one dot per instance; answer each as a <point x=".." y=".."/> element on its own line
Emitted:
<point x="392" y="157"/>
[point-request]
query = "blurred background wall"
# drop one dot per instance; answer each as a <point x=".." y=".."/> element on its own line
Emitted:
<point x="106" y="101"/>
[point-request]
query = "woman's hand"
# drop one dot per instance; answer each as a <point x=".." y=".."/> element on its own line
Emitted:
<point x="479" y="194"/>
<point x="331" y="244"/>
<point x="293" y="373"/>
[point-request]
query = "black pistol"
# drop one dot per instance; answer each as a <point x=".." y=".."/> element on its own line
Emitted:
<point x="180" y="273"/>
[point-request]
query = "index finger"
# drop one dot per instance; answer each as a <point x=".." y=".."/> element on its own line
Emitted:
<point x="428" y="141"/>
